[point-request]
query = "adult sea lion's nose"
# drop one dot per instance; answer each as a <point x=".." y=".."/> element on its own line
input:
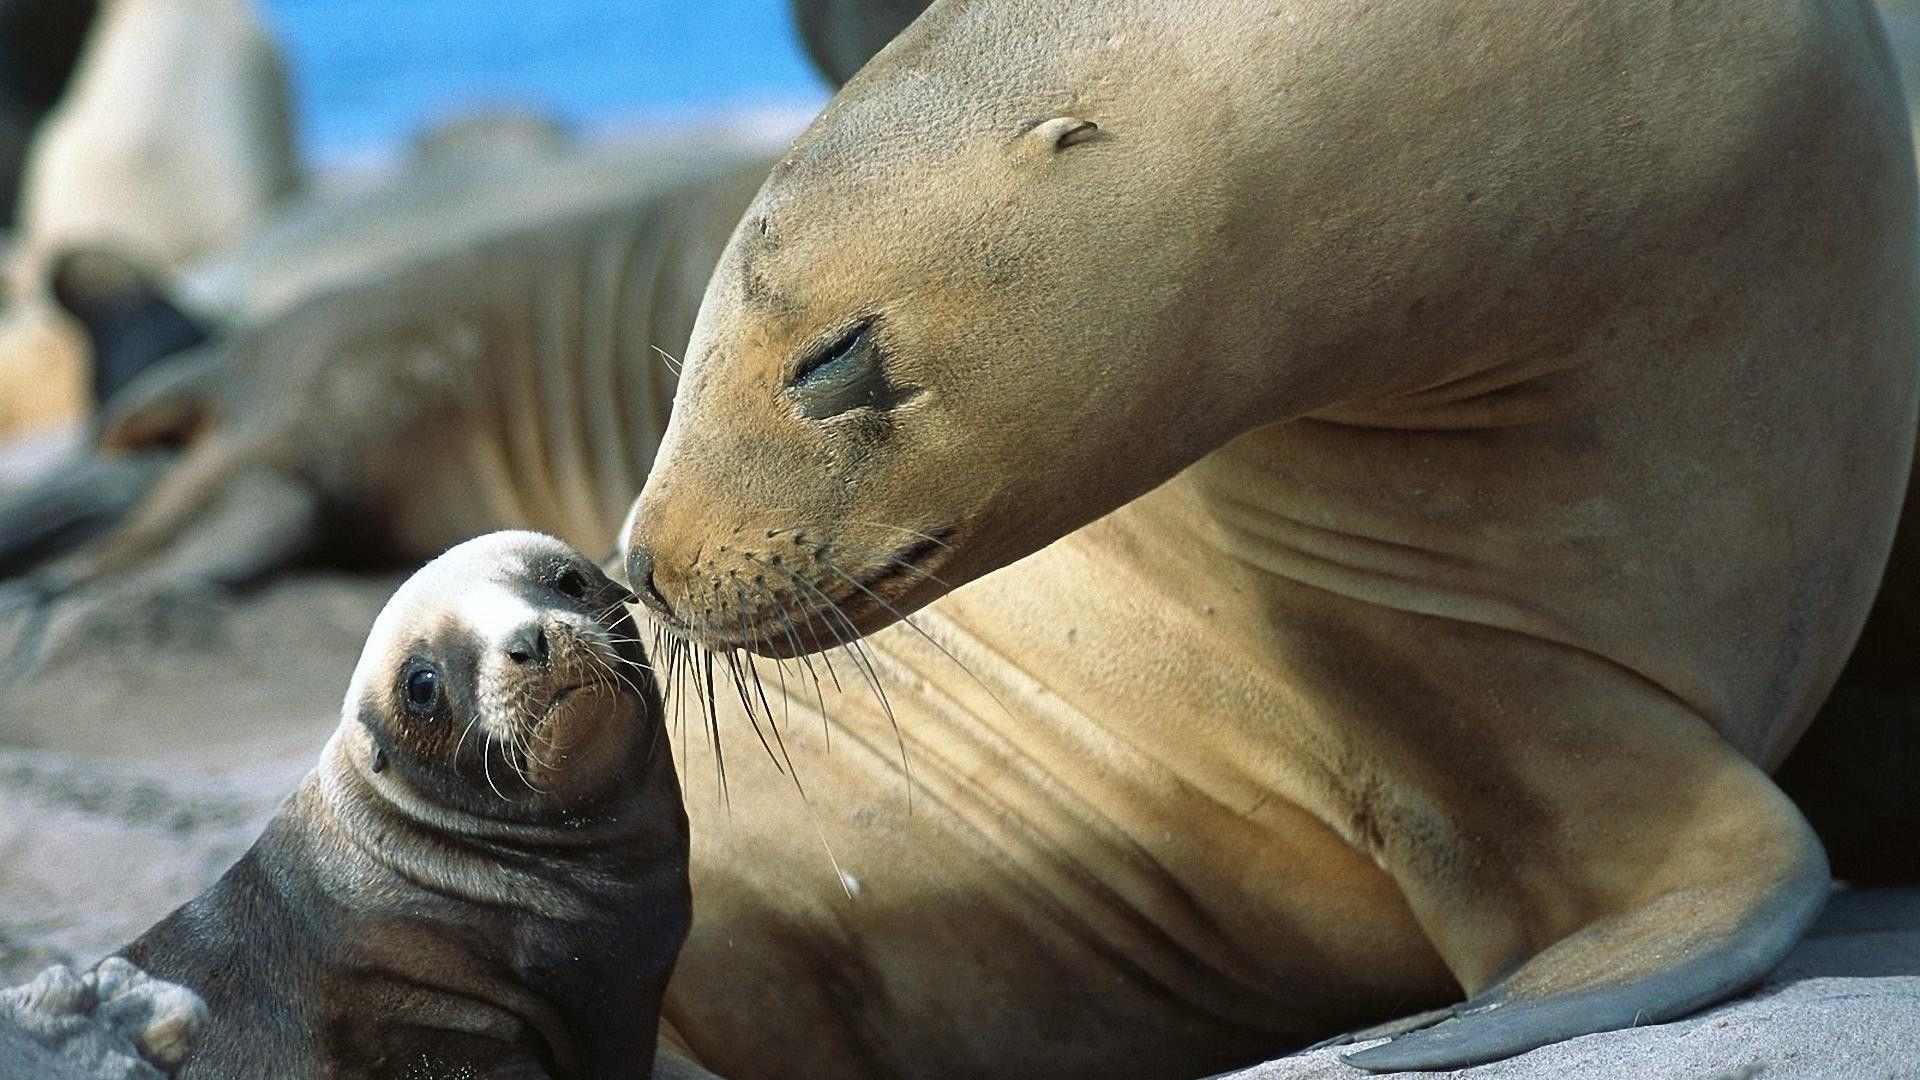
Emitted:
<point x="640" y="578"/>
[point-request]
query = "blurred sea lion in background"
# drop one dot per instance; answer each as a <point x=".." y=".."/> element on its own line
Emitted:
<point x="841" y="35"/>
<point x="40" y="42"/>
<point x="172" y="140"/>
<point x="382" y="408"/>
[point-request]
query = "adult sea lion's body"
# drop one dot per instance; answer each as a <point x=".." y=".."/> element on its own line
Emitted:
<point x="486" y="873"/>
<point x="1499" y="432"/>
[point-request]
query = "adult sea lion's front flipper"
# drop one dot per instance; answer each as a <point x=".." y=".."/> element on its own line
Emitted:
<point x="1642" y="886"/>
<point x="1513" y="1017"/>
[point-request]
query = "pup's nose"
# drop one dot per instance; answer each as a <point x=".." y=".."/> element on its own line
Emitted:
<point x="528" y="645"/>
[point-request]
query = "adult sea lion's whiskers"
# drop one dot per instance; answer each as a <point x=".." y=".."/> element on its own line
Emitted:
<point x="732" y="660"/>
<point x="864" y="664"/>
<point x="791" y="770"/>
<point x="916" y="628"/>
<point x="803" y="656"/>
<point x="736" y="660"/>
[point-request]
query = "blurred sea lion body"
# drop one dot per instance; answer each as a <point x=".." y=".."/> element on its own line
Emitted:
<point x="172" y="141"/>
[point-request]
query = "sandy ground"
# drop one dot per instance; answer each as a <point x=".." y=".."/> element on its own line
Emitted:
<point x="145" y="755"/>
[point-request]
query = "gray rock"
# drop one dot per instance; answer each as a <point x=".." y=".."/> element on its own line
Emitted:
<point x="112" y="1023"/>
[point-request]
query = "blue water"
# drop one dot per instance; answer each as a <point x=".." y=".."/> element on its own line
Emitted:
<point x="368" y="73"/>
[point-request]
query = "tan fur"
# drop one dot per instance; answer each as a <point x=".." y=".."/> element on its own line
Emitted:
<point x="1429" y="459"/>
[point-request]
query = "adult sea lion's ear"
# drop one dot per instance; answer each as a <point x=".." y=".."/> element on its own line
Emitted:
<point x="130" y="321"/>
<point x="1062" y="132"/>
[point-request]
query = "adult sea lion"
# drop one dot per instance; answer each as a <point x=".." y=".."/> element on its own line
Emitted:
<point x="1436" y="457"/>
<point x="486" y="873"/>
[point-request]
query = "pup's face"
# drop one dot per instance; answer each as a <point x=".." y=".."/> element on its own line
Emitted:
<point x="505" y="679"/>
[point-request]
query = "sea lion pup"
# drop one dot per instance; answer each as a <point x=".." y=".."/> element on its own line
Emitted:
<point x="486" y="874"/>
<point x="1431" y="458"/>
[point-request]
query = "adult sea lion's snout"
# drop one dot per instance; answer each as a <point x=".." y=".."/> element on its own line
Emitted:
<point x="784" y="589"/>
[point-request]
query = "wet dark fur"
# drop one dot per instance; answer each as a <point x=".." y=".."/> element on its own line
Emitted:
<point x="299" y="986"/>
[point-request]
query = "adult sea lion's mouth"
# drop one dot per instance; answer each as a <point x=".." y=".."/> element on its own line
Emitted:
<point x="913" y="565"/>
<point x="839" y="605"/>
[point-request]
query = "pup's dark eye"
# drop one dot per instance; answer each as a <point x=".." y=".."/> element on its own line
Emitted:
<point x="847" y="374"/>
<point x="571" y="582"/>
<point x="423" y="691"/>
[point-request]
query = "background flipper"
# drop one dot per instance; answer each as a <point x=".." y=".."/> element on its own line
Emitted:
<point x="130" y="321"/>
<point x="842" y="35"/>
<point x="79" y="501"/>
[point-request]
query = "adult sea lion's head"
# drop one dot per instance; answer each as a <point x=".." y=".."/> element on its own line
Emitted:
<point x="504" y="680"/>
<point x="958" y="322"/>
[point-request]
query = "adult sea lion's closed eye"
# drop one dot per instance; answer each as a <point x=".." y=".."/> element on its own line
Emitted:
<point x="848" y="374"/>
